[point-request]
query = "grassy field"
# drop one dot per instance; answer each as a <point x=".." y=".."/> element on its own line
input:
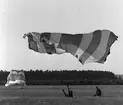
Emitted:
<point x="52" y="95"/>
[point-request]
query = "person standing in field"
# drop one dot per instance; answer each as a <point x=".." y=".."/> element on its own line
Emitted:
<point x="70" y="92"/>
<point x="98" y="92"/>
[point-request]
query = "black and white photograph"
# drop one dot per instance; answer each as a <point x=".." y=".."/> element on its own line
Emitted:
<point x="61" y="52"/>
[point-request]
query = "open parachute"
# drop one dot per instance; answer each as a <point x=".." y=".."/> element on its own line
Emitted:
<point x="16" y="78"/>
<point x="87" y="47"/>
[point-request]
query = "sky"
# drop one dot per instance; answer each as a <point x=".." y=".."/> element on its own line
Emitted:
<point x="18" y="17"/>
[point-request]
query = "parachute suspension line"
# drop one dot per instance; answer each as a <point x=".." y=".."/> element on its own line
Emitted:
<point x="22" y="96"/>
<point x="25" y="56"/>
<point x="23" y="86"/>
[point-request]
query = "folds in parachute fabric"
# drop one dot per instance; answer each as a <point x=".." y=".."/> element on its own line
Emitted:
<point x="86" y="47"/>
<point x="16" y="78"/>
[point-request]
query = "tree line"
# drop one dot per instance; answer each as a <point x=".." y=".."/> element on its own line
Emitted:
<point x="62" y="77"/>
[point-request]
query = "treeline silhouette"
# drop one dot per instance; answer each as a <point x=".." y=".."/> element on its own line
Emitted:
<point x="63" y="77"/>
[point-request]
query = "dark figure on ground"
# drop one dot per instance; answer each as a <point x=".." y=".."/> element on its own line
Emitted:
<point x="98" y="92"/>
<point x="70" y="92"/>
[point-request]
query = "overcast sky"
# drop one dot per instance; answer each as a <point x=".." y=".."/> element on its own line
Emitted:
<point x="18" y="17"/>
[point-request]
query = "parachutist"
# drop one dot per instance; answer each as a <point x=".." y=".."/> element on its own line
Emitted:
<point x="70" y="92"/>
<point x="98" y="92"/>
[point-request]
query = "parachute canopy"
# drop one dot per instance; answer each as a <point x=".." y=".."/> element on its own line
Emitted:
<point x="87" y="47"/>
<point x="16" y="78"/>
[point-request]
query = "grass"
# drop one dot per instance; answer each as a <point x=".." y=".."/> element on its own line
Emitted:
<point x="52" y="95"/>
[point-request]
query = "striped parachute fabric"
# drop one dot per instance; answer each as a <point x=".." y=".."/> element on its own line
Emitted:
<point x="86" y="47"/>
